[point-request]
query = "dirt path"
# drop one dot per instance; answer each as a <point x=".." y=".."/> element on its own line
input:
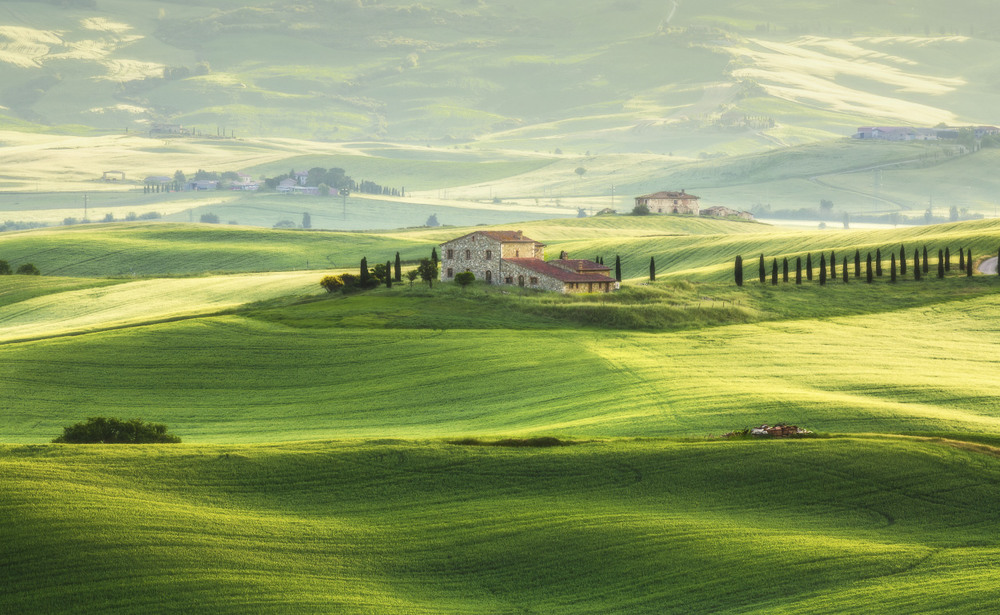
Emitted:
<point x="988" y="266"/>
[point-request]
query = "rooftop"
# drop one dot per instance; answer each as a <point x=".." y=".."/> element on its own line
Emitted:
<point x="558" y="273"/>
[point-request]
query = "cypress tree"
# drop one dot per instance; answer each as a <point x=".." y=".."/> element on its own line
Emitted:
<point x="809" y="267"/>
<point x="822" y="269"/>
<point x="926" y="266"/>
<point x="784" y="270"/>
<point x="833" y="266"/>
<point x="774" y="272"/>
<point x="947" y="259"/>
<point x="618" y="268"/>
<point x="738" y="272"/>
<point x="892" y="272"/>
<point x="434" y="256"/>
<point x="798" y="269"/>
<point x="916" y="265"/>
<point x="868" y="268"/>
<point x="878" y="262"/>
<point x="902" y="260"/>
<point x="857" y="264"/>
<point x="388" y="275"/>
<point x="364" y="270"/>
<point x="760" y="267"/>
<point x="940" y="264"/>
<point x="399" y="269"/>
<point x="844" y="270"/>
<point x="961" y="259"/>
<point x="652" y="269"/>
<point x="968" y="264"/>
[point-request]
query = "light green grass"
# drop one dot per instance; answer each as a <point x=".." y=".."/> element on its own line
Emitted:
<point x="416" y="527"/>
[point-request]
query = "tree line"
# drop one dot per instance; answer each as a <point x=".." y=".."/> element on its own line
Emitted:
<point x="25" y="269"/>
<point x="874" y="267"/>
<point x="387" y="274"/>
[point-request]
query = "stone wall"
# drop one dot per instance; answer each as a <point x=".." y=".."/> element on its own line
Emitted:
<point x="479" y="254"/>
<point x="515" y="272"/>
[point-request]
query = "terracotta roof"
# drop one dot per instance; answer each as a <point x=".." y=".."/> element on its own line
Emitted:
<point x="501" y="236"/>
<point x="540" y="266"/>
<point x="579" y="265"/>
<point x="668" y="195"/>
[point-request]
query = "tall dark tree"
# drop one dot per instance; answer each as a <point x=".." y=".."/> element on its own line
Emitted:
<point x="868" y="268"/>
<point x="738" y="270"/>
<point x="833" y="266"/>
<point x="822" y="269"/>
<point x="760" y="268"/>
<point x="652" y="269"/>
<point x="784" y="270"/>
<point x="306" y="220"/>
<point x="968" y="264"/>
<point x="857" y="264"/>
<point x="961" y="259"/>
<point x="844" y="270"/>
<point x="364" y="271"/>
<point x="798" y="269"/>
<point x="926" y="267"/>
<point x="398" y="277"/>
<point x="940" y="264"/>
<point x="916" y="265"/>
<point x="902" y="260"/>
<point x="947" y="259"/>
<point x="892" y="271"/>
<point x="388" y="275"/>
<point x="774" y="272"/>
<point x="878" y="262"/>
<point x="809" y="267"/>
<point x="618" y="268"/>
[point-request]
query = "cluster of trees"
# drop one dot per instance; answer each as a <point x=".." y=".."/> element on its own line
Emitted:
<point x="101" y="430"/>
<point x="109" y="217"/>
<point x="25" y="269"/>
<point x="874" y="268"/>
<point x="385" y="274"/>
<point x="11" y="225"/>
<point x="333" y="180"/>
<point x="618" y="265"/>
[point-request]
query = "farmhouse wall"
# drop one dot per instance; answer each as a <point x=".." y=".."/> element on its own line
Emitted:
<point x="513" y="272"/>
<point x="479" y="254"/>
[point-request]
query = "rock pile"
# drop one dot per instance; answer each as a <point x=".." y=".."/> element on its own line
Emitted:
<point x="780" y="430"/>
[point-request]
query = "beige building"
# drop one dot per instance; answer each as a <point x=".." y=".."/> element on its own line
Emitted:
<point x="510" y="258"/>
<point x="719" y="211"/>
<point x="670" y="203"/>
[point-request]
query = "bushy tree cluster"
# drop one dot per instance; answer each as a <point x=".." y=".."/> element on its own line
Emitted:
<point x="101" y="430"/>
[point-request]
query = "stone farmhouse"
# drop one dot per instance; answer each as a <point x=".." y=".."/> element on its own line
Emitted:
<point x="510" y="258"/>
<point x="670" y="203"/>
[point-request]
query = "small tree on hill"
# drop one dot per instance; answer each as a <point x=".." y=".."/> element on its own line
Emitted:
<point x="844" y="270"/>
<point x="916" y="265"/>
<point x="809" y="267"/>
<point x="331" y="283"/>
<point x="652" y="269"/>
<point x="774" y="272"/>
<point x="833" y="266"/>
<point x="640" y="210"/>
<point x="961" y="259"/>
<point x="892" y="271"/>
<point x="28" y="269"/>
<point x="100" y="430"/>
<point x="738" y="270"/>
<point x="465" y="278"/>
<point x="902" y="260"/>
<point x="926" y="267"/>
<point x="878" y="262"/>
<point x="5" y="268"/>
<point x="760" y="269"/>
<point x="306" y="220"/>
<point x="365" y="275"/>
<point x="412" y="275"/>
<point x="822" y="269"/>
<point x="947" y="259"/>
<point x="968" y="264"/>
<point x="784" y="270"/>
<point x="434" y="256"/>
<point x="399" y="269"/>
<point x="428" y="270"/>
<point x="388" y="274"/>
<point x="618" y="268"/>
<point x="798" y="269"/>
<point x="857" y="264"/>
<point x="940" y="264"/>
<point x="868" y="268"/>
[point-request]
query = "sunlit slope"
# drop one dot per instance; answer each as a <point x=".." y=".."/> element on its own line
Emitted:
<point x="172" y="249"/>
<point x="618" y="527"/>
<point x="137" y="302"/>
<point x="418" y="369"/>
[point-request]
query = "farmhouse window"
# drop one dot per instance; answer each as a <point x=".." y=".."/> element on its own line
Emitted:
<point x="451" y="272"/>
<point x="517" y="254"/>
<point x="520" y="280"/>
<point x="468" y="254"/>
<point x="508" y="280"/>
<point x="451" y="253"/>
<point x="534" y="281"/>
<point x="489" y="254"/>
<point x="489" y="277"/>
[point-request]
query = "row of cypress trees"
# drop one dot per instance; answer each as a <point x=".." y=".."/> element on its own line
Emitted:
<point x="920" y="266"/>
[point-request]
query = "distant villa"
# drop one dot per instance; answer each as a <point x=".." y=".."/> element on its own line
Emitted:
<point x="909" y="133"/>
<point x="670" y="203"/>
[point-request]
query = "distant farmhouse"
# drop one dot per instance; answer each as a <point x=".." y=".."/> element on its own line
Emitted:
<point x="909" y="133"/>
<point x="670" y="203"/>
<point x="510" y="258"/>
<point x="719" y="211"/>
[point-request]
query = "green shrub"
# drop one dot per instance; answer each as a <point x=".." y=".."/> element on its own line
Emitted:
<point x="5" y="268"/>
<point x="465" y="278"/>
<point x="101" y="430"/>
<point x="332" y="283"/>
<point x="28" y="269"/>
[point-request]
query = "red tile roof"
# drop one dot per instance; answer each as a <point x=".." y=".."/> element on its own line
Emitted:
<point x="668" y="195"/>
<point x="540" y="266"/>
<point x="501" y="236"/>
<point x="578" y="265"/>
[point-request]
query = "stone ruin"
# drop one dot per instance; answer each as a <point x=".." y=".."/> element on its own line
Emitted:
<point x="780" y="430"/>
